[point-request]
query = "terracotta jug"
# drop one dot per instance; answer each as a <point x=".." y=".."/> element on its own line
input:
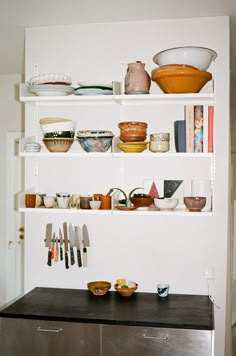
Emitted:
<point x="137" y="80"/>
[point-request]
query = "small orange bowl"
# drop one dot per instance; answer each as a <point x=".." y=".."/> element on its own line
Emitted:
<point x="125" y="292"/>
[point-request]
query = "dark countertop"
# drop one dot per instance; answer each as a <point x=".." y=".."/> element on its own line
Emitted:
<point x="141" y="309"/>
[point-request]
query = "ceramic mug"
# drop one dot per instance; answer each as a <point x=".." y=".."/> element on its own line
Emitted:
<point x="63" y="202"/>
<point x="105" y="202"/>
<point x="84" y="202"/>
<point x="49" y="201"/>
<point x="163" y="290"/>
<point x="30" y="200"/>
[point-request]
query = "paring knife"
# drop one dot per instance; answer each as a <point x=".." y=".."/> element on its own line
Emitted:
<point x="48" y="242"/>
<point x="86" y="244"/>
<point x="61" y="243"/>
<point x="72" y="243"/>
<point x="77" y="244"/>
<point x="66" y="245"/>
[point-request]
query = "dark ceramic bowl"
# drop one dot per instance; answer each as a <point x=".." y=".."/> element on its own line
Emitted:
<point x="60" y="134"/>
<point x="195" y="204"/>
<point x="141" y="200"/>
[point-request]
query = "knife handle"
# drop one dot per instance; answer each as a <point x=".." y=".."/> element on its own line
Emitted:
<point x="72" y="257"/>
<point x="49" y="258"/>
<point x="53" y="252"/>
<point x="66" y="260"/>
<point x="56" y="255"/>
<point x="85" y="261"/>
<point x="79" y="258"/>
<point x="61" y="254"/>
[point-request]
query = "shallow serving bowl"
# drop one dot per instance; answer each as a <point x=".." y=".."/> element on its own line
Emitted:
<point x="195" y="203"/>
<point x="166" y="203"/>
<point x="133" y="147"/>
<point x="125" y="292"/>
<point x="198" y="57"/>
<point x="177" y="81"/>
<point x="99" y="287"/>
<point x="58" y="144"/>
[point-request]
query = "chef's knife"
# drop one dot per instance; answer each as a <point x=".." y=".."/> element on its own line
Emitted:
<point x="77" y="244"/>
<point x="86" y="244"/>
<point x="48" y="242"/>
<point x="66" y="245"/>
<point x="61" y="243"/>
<point x="72" y="244"/>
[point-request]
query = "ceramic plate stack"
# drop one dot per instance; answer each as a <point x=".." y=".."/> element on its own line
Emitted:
<point x="50" y="85"/>
<point x="94" y="89"/>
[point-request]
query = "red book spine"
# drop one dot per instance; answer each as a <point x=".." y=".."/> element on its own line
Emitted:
<point x="210" y="128"/>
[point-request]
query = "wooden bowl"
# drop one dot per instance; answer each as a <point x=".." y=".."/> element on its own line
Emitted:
<point x="142" y="202"/>
<point x="125" y="292"/>
<point x="99" y="287"/>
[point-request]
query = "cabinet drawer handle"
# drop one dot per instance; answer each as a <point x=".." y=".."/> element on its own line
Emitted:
<point x="161" y="338"/>
<point x="50" y="330"/>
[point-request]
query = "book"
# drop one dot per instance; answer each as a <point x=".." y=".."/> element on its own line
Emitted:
<point x="210" y="128"/>
<point x="180" y="135"/>
<point x="205" y="128"/>
<point x="198" y="128"/>
<point x="189" y="124"/>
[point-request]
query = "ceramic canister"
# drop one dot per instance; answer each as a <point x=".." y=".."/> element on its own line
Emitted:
<point x="159" y="142"/>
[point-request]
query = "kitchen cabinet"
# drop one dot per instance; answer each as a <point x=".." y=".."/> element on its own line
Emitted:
<point x="139" y="341"/>
<point x="48" y="338"/>
<point x="51" y="321"/>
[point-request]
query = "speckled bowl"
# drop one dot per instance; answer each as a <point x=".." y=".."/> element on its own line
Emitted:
<point x="195" y="204"/>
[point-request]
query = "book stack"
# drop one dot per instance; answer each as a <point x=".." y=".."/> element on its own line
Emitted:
<point x="195" y="132"/>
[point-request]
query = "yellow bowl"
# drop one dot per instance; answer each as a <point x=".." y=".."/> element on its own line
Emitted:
<point x="99" y="287"/>
<point x="183" y="80"/>
<point x="133" y="147"/>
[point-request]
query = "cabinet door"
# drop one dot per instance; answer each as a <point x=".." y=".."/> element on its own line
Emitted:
<point x="20" y="337"/>
<point x="138" y="341"/>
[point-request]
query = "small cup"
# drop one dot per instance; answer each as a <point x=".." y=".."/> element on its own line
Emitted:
<point x="95" y="204"/>
<point x="97" y="196"/>
<point x="105" y="202"/>
<point x="163" y="290"/>
<point x="84" y="202"/>
<point x="49" y="201"/>
<point x="63" y="202"/>
<point x="30" y="200"/>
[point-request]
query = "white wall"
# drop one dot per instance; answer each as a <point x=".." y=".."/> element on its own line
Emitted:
<point x="147" y="249"/>
<point x="11" y="120"/>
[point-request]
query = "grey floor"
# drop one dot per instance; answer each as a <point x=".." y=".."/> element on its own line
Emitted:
<point x="234" y="339"/>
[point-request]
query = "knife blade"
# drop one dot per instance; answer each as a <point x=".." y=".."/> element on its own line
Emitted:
<point x="48" y="242"/>
<point x="77" y="244"/>
<point x="56" y="251"/>
<point x="66" y="244"/>
<point x="61" y="243"/>
<point x="86" y="244"/>
<point x="72" y="243"/>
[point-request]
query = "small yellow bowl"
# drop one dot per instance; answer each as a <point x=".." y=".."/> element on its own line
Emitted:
<point x="125" y="292"/>
<point x="133" y="147"/>
<point x="99" y="287"/>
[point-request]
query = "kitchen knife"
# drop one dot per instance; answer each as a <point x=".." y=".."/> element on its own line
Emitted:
<point x="86" y="244"/>
<point x="72" y="244"/>
<point x="48" y="242"/>
<point x="56" y="251"/>
<point x="61" y="243"/>
<point x="53" y="246"/>
<point x="66" y="245"/>
<point x="77" y="244"/>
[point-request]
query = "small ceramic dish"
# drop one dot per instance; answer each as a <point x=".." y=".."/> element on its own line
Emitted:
<point x="166" y="204"/>
<point x="195" y="204"/>
<point x="125" y="292"/>
<point x="99" y="287"/>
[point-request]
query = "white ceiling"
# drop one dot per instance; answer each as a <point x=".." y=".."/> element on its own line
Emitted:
<point x="15" y="15"/>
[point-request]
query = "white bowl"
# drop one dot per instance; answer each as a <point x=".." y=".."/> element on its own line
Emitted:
<point x="166" y="203"/>
<point x="198" y="57"/>
<point x="54" y="124"/>
<point x="95" y="204"/>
